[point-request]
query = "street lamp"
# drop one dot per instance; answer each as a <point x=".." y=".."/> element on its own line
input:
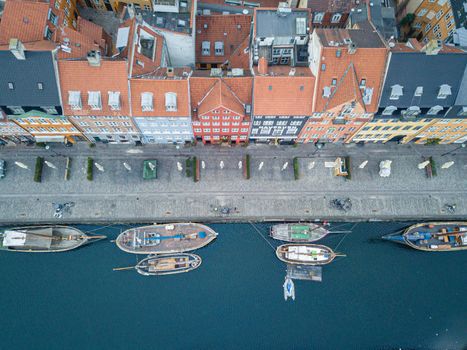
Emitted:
<point x="455" y="149"/>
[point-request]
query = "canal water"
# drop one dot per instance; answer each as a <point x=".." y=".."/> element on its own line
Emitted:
<point x="381" y="296"/>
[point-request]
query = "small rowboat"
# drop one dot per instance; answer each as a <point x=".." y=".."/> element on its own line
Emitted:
<point x="433" y="236"/>
<point x="305" y="254"/>
<point x="44" y="239"/>
<point x="167" y="264"/>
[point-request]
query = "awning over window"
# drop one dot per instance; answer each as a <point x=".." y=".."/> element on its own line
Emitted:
<point x="54" y="138"/>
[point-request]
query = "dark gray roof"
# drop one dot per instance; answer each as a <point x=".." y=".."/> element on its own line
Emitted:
<point x="383" y="17"/>
<point x="461" y="99"/>
<point x="38" y="67"/>
<point x="459" y="8"/>
<point x="413" y="69"/>
<point x="269" y="23"/>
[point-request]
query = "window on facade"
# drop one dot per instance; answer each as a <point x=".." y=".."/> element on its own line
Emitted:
<point x="170" y="101"/>
<point x="147" y="104"/>
<point x="412" y="111"/>
<point x="48" y="33"/>
<point x="323" y="66"/>
<point x="94" y="100"/>
<point x="434" y="110"/>
<point x="362" y="83"/>
<point x="427" y="27"/>
<point x="422" y="12"/>
<point x="114" y="100"/>
<point x="52" y="17"/>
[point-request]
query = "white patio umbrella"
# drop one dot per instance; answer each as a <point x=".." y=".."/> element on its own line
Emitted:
<point x="99" y="167"/>
<point x="447" y="165"/>
<point x="286" y="164"/>
<point x="363" y="164"/>
<point x="423" y="164"/>
<point x="311" y="165"/>
<point x="22" y="165"/>
<point x="221" y="164"/>
<point x="50" y="165"/>
<point x="240" y="164"/>
<point x="203" y="164"/>
<point x="260" y="165"/>
<point x="127" y="166"/>
<point x="179" y="166"/>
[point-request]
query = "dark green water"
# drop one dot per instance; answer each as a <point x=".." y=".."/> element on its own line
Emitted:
<point x="382" y="296"/>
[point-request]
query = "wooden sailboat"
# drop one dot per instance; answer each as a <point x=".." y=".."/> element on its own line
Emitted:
<point x="298" y="232"/>
<point x="44" y="239"/>
<point x="167" y="264"/>
<point x="164" y="239"/>
<point x="433" y="236"/>
<point x="305" y="254"/>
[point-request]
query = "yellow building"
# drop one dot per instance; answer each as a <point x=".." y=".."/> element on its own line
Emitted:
<point x="69" y="9"/>
<point x="433" y="19"/>
<point x="48" y="128"/>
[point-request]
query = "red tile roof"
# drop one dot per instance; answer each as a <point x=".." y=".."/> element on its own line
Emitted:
<point x="332" y="6"/>
<point x="208" y="93"/>
<point x="24" y="20"/>
<point x="159" y="87"/>
<point x="262" y="3"/>
<point x="78" y="75"/>
<point x="231" y="30"/>
<point x="283" y="95"/>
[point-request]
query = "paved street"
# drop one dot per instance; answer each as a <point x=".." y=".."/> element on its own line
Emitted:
<point x="119" y="195"/>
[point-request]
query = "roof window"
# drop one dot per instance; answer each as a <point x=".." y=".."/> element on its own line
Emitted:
<point x="444" y="92"/>
<point x="396" y="92"/>
<point x="11" y="86"/>
<point x="74" y="100"/>
<point x="389" y="110"/>
<point x="367" y="95"/>
<point x="170" y="101"/>
<point x="434" y="110"/>
<point x="147" y="104"/>
<point x="419" y="91"/>
<point x="114" y="100"/>
<point x="94" y="100"/>
<point x="412" y="111"/>
<point x="326" y="92"/>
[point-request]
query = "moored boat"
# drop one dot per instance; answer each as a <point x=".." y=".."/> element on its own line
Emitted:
<point x="433" y="236"/>
<point x="43" y="239"/>
<point x="168" y="264"/>
<point x="305" y="254"/>
<point x="164" y="239"/>
<point x="289" y="289"/>
<point x="298" y="232"/>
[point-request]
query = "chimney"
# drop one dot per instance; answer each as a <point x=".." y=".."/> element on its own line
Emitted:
<point x="17" y="48"/>
<point x="263" y="66"/>
<point x="94" y="58"/>
<point x="170" y="72"/>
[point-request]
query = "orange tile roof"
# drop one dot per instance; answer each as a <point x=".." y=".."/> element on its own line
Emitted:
<point x="232" y="30"/>
<point x="262" y="3"/>
<point x="41" y="45"/>
<point x="141" y="64"/>
<point x="78" y="75"/>
<point x="24" y="20"/>
<point x="240" y="58"/>
<point x="283" y="95"/>
<point x="207" y="93"/>
<point x="158" y="87"/>
<point x="367" y="63"/>
<point x="78" y="43"/>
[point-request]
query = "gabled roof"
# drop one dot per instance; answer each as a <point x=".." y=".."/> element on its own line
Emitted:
<point x="78" y="75"/>
<point x="271" y="23"/>
<point x="159" y="86"/>
<point x="362" y="38"/>
<point x="24" y="20"/>
<point x="332" y="6"/>
<point x="283" y="95"/>
<point x="38" y="67"/>
<point x="413" y="69"/>
<point x="231" y="30"/>
<point x="207" y="93"/>
<point x="347" y="90"/>
<point x="220" y="95"/>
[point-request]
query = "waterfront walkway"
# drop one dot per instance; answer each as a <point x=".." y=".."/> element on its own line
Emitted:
<point x="119" y="196"/>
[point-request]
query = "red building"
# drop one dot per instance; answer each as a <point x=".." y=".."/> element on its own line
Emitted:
<point x="221" y="108"/>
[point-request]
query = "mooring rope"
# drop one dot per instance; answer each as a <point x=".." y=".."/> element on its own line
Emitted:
<point x="262" y="236"/>
<point x="342" y="239"/>
<point x="99" y="228"/>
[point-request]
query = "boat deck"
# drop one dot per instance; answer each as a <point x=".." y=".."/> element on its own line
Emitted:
<point x="437" y="236"/>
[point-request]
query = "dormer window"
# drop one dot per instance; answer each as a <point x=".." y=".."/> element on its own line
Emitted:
<point x="389" y="110"/>
<point x="114" y="100"/>
<point x="170" y="101"/>
<point x="396" y="92"/>
<point x="418" y="91"/>
<point x="412" y="111"/>
<point x="336" y="18"/>
<point x="434" y="110"/>
<point x="74" y="100"/>
<point x="367" y="95"/>
<point x="444" y="92"/>
<point x="206" y="48"/>
<point x="147" y="102"/>
<point x="463" y="112"/>
<point x="362" y="83"/>
<point x="326" y="92"/>
<point x="94" y="100"/>
<point x="219" y="48"/>
<point x="318" y="17"/>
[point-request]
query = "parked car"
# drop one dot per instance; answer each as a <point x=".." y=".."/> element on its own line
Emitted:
<point x="385" y="168"/>
<point x="2" y="168"/>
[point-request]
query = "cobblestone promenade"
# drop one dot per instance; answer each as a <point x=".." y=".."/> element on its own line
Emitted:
<point x="118" y="195"/>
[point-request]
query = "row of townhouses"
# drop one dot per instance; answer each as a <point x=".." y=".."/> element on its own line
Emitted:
<point x="274" y="75"/>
